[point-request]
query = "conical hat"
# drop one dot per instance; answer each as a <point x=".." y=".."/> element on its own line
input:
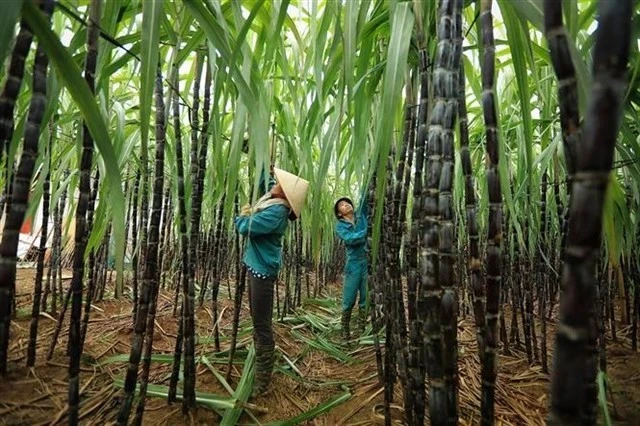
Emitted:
<point x="294" y="187"/>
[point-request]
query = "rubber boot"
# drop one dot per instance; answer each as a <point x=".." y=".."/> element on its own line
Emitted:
<point x="362" y="320"/>
<point x="263" y="370"/>
<point x="346" y="319"/>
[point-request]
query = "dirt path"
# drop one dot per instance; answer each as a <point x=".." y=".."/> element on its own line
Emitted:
<point x="39" y="396"/>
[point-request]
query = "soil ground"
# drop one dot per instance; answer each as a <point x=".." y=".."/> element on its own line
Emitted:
<point x="38" y="396"/>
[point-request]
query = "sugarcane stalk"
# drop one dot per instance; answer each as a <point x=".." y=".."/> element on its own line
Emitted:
<point x="44" y="233"/>
<point x="573" y="387"/>
<point x="10" y="233"/>
<point x="189" y="398"/>
<point x="151" y="270"/>
<point x="494" y="236"/>
<point x="184" y="246"/>
<point x="134" y="243"/>
<point x="217" y="274"/>
<point x="51" y="272"/>
<point x="435" y="259"/>
<point x="81" y="236"/>
<point x="474" y="263"/>
<point x="394" y="315"/>
<point x="447" y="238"/>
<point x="91" y="288"/>
<point x="557" y="39"/>
<point x="416" y="359"/>
<point x="410" y="394"/>
<point x="542" y="277"/>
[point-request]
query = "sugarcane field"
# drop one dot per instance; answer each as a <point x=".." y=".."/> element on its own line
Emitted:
<point x="319" y="212"/>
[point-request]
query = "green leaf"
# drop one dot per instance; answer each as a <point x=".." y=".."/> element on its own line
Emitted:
<point x="8" y="18"/>
<point x="315" y="412"/>
<point x="401" y="29"/>
<point x="216" y="373"/>
<point x="532" y="10"/>
<point x="69" y="74"/>
<point x="218" y="37"/>
<point x="215" y="402"/>
<point x="151" y="17"/>
<point x="613" y="240"/>
<point x="602" y="397"/>
<point x="243" y="391"/>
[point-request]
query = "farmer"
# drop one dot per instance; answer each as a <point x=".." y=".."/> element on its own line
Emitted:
<point x="264" y="224"/>
<point x="352" y="229"/>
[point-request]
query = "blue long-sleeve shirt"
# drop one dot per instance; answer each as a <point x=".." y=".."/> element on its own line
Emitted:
<point x="354" y="234"/>
<point x="264" y="230"/>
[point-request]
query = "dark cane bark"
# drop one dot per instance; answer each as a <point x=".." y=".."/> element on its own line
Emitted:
<point x="573" y="387"/>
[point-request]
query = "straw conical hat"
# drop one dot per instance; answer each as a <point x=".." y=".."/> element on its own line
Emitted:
<point x="294" y="187"/>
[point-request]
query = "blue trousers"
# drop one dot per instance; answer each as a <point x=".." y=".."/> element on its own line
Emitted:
<point x="355" y="281"/>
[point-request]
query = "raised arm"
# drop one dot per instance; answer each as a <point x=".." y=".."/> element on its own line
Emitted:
<point x="363" y="207"/>
<point x="262" y="223"/>
<point x="261" y="184"/>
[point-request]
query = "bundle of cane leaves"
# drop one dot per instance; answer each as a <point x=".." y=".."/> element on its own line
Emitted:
<point x="315" y="412"/>
<point x="124" y="358"/>
<point x="242" y="392"/>
<point x="289" y="369"/>
<point x="223" y="357"/>
<point x="328" y="303"/>
<point x="322" y="344"/>
<point x="242" y="333"/>
<point x="289" y="362"/>
<point x="310" y="383"/>
<point x="289" y="372"/>
<point x="230" y="408"/>
<point x="330" y="306"/>
<point x="244" y="326"/>
<point x="217" y="403"/>
<point x="217" y="358"/>
<point x="315" y="321"/>
<point x="240" y="353"/>
<point x="216" y="373"/>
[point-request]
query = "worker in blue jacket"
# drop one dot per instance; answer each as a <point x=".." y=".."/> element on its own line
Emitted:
<point x="263" y="225"/>
<point x="352" y="229"/>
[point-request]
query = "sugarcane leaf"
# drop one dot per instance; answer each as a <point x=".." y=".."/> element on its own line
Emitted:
<point x="243" y="391"/>
<point x="614" y="197"/>
<point x="125" y="358"/>
<point x="152" y="12"/>
<point x="401" y="28"/>
<point x="315" y="412"/>
<point x="323" y="345"/>
<point x="218" y="376"/>
<point x="215" y="402"/>
<point x="217" y="36"/>
<point x="8" y="19"/>
<point x="69" y="74"/>
<point x="602" y="397"/>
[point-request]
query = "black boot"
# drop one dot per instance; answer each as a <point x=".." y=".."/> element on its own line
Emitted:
<point x="346" y="319"/>
<point x="263" y="369"/>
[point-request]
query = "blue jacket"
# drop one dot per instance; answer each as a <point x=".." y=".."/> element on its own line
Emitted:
<point x="354" y="235"/>
<point x="264" y="230"/>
